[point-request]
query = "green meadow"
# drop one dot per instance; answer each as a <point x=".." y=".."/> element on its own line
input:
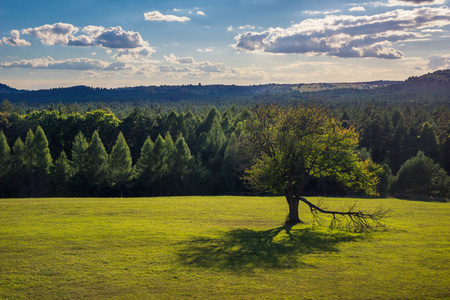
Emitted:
<point x="217" y="248"/>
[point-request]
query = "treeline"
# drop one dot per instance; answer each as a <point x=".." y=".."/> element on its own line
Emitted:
<point x="150" y="152"/>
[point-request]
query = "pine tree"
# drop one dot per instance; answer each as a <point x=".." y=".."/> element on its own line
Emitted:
<point x="428" y="141"/>
<point x="120" y="169"/>
<point x="79" y="177"/>
<point x="144" y="167"/>
<point x="159" y="166"/>
<point x="42" y="162"/>
<point x="5" y="163"/>
<point x="97" y="168"/>
<point x="18" y="169"/>
<point x="61" y="172"/>
<point x="182" y="163"/>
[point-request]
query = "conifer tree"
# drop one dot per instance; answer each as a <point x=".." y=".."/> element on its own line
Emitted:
<point x="159" y="166"/>
<point x="120" y="165"/>
<point x="428" y="141"/>
<point x="144" y="167"/>
<point x="42" y="161"/>
<point x="18" y="169"/>
<point x="61" y="172"/>
<point x="79" y="176"/>
<point x="182" y="162"/>
<point x="5" y="163"/>
<point x="97" y="168"/>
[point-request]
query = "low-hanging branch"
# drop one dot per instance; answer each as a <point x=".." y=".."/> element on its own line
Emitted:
<point x="352" y="217"/>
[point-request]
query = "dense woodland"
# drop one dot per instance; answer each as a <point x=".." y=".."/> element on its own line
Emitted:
<point x="68" y="149"/>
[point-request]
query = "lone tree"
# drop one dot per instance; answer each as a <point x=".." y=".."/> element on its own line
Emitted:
<point x="289" y="145"/>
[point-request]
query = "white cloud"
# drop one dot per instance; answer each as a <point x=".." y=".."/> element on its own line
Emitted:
<point x="246" y="27"/>
<point x="230" y="28"/>
<point x="432" y="30"/>
<point x="129" y="45"/>
<point x="56" y="34"/>
<point x="321" y="12"/>
<point x="180" y="60"/>
<point x="347" y="35"/>
<point x="439" y="61"/>
<point x="157" y="16"/>
<point x="116" y="37"/>
<point x="200" y="13"/>
<point x="15" y="40"/>
<point x="357" y="8"/>
<point x="176" y="9"/>
<point x="414" y="2"/>
<point x="80" y="64"/>
<point x="209" y="49"/>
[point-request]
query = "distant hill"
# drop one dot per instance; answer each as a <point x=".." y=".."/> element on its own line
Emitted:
<point x="6" y="90"/>
<point x="429" y="86"/>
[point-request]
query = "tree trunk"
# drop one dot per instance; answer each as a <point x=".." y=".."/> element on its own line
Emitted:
<point x="293" y="209"/>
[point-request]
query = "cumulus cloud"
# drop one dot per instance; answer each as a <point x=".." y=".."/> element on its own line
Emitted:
<point x="439" y="61"/>
<point x="81" y="64"/>
<point x="15" y="40"/>
<point x="414" y="2"/>
<point x="180" y="60"/>
<point x="129" y="45"/>
<point x="230" y="28"/>
<point x="116" y="37"/>
<point x="357" y="8"/>
<point x="56" y="34"/>
<point x="188" y="64"/>
<point x="157" y="16"/>
<point x="246" y="27"/>
<point x="200" y="13"/>
<point x="347" y="35"/>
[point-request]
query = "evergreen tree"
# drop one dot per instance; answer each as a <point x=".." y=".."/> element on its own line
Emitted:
<point x="79" y="177"/>
<point x="428" y="141"/>
<point x="120" y="163"/>
<point x="144" y="168"/>
<point x="18" y="169"/>
<point x="29" y="161"/>
<point x="5" y="164"/>
<point x="97" y="168"/>
<point x="61" y="172"/>
<point x="182" y="162"/>
<point x="43" y="159"/>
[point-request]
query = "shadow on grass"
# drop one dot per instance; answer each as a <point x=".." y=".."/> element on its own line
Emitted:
<point x="244" y="249"/>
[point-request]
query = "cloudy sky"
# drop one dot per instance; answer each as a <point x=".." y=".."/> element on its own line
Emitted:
<point x="114" y="43"/>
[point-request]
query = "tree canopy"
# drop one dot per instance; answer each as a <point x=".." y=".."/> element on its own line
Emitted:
<point x="290" y="145"/>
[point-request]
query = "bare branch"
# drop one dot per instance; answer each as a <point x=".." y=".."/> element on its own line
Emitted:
<point x="351" y="218"/>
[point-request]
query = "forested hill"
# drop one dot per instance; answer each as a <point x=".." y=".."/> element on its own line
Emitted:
<point x="430" y="87"/>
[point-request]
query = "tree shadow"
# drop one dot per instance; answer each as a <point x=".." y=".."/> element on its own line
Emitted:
<point x="278" y="248"/>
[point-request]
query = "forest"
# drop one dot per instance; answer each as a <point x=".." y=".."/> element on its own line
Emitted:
<point x="148" y="152"/>
<point x="149" y="148"/>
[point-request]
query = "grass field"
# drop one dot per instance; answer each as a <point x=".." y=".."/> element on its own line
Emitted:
<point x="217" y="248"/>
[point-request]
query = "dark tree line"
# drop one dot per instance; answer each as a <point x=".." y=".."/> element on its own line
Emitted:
<point x="150" y="152"/>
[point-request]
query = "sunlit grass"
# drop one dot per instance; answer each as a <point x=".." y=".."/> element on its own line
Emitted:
<point x="217" y="247"/>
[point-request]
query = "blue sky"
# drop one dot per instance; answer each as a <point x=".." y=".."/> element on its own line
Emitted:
<point x="45" y="44"/>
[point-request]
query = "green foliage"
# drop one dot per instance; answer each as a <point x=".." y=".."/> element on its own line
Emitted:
<point x="42" y="157"/>
<point x="420" y="175"/>
<point x="291" y="145"/>
<point x="61" y="173"/>
<point x="5" y="163"/>
<point x="97" y="163"/>
<point x="120" y="164"/>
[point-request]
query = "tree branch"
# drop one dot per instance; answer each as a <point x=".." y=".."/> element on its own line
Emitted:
<point x="350" y="218"/>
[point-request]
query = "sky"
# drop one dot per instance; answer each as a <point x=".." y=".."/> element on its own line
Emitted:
<point x="114" y="43"/>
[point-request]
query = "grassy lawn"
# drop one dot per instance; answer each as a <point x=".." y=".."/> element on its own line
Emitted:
<point x="217" y="248"/>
